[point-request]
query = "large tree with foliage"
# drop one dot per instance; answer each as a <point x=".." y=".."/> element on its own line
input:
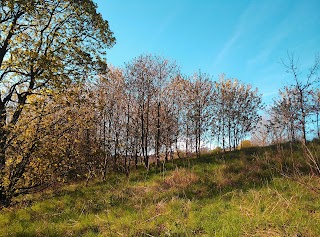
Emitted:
<point x="44" y="45"/>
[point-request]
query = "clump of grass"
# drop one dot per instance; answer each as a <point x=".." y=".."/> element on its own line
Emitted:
<point x="180" y="178"/>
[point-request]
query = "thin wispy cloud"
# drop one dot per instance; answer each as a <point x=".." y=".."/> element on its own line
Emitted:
<point x="270" y="44"/>
<point x="238" y="31"/>
<point x="249" y="20"/>
<point x="164" y="25"/>
<point x="225" y="50"/>
<point x="270" y="94"/>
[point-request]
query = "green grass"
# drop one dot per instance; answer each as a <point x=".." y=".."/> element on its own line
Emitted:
<point x="240" y="194"/>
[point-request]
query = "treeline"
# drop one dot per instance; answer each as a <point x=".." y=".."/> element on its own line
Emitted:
<point x="143" y="112"/>
<point x="148" y="108"/>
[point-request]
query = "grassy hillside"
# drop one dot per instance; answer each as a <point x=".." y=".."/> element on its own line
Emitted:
<point x="254" y="192"/>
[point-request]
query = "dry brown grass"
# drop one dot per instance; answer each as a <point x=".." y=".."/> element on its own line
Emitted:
<point x="180" y="178"/>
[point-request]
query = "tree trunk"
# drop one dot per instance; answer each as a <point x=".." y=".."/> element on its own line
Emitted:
<point x="136" y="158"/>
<point x="116" y="152"/>
<point x="229" y="134"/>
<point x="136" y="141"/>
<point x="146" y="160"/>
<point x="199" y="139"/>
<point x="4" y="198"/>
<point x="187" y="137"/>
<point x="177" y="149"/>
<point x="223" y="138"/>
<point x="158" y="135"/>
<point x="105" y="163"/>
<point x="318" y="129"/>
<point x="127" y="140"/>
<point x="3" y="137"/>
<point x="303" y="118"/>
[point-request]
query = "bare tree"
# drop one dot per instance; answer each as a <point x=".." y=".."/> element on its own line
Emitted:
<point x="285" y="113"/>
<point x="141" y="73"/>
<point x="166" y="71"/>
<point x="316" y="108"/>
<point x="235" y="110"/>
<point x="302" y="88"/>
<point x="199" y="106"/>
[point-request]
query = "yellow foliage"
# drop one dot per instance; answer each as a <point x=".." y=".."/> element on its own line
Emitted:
<point x="245" y="144"/>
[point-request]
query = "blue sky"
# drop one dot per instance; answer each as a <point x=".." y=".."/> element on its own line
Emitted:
<point x="243" y="39"/>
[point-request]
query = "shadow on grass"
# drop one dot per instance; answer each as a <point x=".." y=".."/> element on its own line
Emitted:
<point x="246" y="169"/>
